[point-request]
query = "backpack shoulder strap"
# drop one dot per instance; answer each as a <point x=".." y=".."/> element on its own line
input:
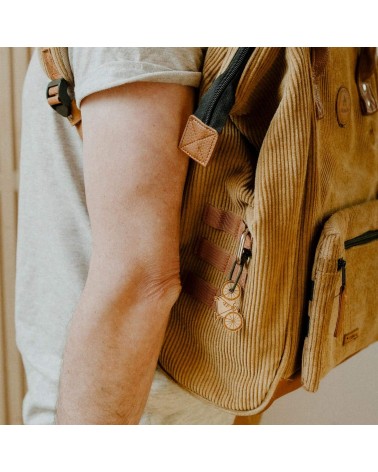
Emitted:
<point x="56" y="64"/>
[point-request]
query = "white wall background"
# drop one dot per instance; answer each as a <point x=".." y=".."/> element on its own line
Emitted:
<point x="347" y="395"/>
<point x="13" y="65"/>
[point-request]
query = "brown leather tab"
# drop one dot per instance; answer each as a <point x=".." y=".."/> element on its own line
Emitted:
<point x="223" y="220"/>
<point x="75" y="117"/>
<point x="367" y="63"/>
<point x="199" y="289"/>
<point x="49" y="64"/>
<point x="368" y="101"/>
<point x="248" y="420"/>
<point x="319" y="60"/>
<point x="221" y="259"/>
<point x="214" y="255"/>
<point x="198" y="140"/>
<point x="340" y="318"/>
<point x="365" y="68"/>
<point x="286" y="386"/>
<point x="79" y="129"/>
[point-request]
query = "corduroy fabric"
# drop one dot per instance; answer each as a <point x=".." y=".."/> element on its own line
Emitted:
<point x="284" y="172"/>
<point x="56" y="64"/>
<point x="330" y="323"/>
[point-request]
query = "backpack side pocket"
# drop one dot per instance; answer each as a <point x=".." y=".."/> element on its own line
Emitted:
<point x="343" y="311"/>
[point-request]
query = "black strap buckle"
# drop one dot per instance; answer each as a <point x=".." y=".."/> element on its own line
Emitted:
<point x="58" y="98"/>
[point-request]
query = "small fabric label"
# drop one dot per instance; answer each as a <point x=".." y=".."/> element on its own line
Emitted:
<point x="350" y="336"/>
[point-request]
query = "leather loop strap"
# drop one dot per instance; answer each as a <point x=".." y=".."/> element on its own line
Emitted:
<point x="214" y="255"/>
<point x="365" y="67"/>
<point x="217" y="257"/>
<point x="319" y="60"/>
<point x="199" y="289"/>
<point x="203" y="291"/>
<point x="49" y="64"/>
<point x="223" y="220"/>
<point x="367" y="63"/>
<point x="286" y="386"/>
<point x="75" y="117"/>
<point x="221" y="259"/>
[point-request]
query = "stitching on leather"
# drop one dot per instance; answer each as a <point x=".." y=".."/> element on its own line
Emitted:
<point x="202" y="254"/>
<point x="199" y="156"/>
<point x="221" y="216"/>
<point x="205" y="158"/>
<point x="197" y="140"/>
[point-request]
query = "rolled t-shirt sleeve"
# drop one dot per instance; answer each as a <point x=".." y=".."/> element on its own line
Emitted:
<point x="97" y="69"/>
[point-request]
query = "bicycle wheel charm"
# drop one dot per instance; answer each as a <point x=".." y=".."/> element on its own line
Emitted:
<point x="233" y="321"/>
<point x="228" y="303"/>
<point x="228" y="306"/>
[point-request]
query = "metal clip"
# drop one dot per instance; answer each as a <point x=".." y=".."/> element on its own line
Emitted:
<point x="243" y="237"/>
<point x="242" y="257"/>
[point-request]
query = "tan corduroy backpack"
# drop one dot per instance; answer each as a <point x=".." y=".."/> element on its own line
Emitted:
<point x="279" y="231"/>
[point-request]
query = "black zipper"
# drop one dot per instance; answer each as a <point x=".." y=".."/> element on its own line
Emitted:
<point x="364" y="238"/>
<point x="235" y="67"/>
<point x="361" y="239"/>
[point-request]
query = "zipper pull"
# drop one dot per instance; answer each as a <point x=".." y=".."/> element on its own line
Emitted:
<point x="341" y="265"/>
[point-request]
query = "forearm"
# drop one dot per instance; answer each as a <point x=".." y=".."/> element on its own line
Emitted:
<point x="110" y="358"/>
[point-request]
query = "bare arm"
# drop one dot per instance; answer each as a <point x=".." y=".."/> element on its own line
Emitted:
<point x="134" y="178"/>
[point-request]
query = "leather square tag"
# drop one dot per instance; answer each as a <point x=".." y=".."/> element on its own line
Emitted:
<point x="198" y="140"/>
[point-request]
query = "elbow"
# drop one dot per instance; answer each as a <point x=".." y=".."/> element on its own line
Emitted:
<point x="162" y="287"/>
<point x="150" y="286"/>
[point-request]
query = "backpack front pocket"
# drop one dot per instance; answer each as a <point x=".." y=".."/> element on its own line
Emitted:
<point x="344" y="301"/>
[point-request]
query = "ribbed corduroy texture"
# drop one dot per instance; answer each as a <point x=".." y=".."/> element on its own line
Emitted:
<point x="324" y="349"/>
<point x="61" y="63"/>
<point x="284" y="173"/>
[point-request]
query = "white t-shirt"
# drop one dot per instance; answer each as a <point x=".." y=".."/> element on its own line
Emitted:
<point x="54" y="237"/>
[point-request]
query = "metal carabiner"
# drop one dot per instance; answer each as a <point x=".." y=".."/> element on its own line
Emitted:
<point x="242" y="257"/>
<point x="243" y="237"/>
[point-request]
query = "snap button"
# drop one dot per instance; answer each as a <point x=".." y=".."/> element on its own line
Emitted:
<point x="364" y="87"/>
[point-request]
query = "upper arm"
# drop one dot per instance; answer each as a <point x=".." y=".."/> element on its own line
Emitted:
<point x="134" y="178"/>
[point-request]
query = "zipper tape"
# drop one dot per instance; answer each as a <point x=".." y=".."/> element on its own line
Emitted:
<point x="361" y="239"/>
<point x="216" y="103"/>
